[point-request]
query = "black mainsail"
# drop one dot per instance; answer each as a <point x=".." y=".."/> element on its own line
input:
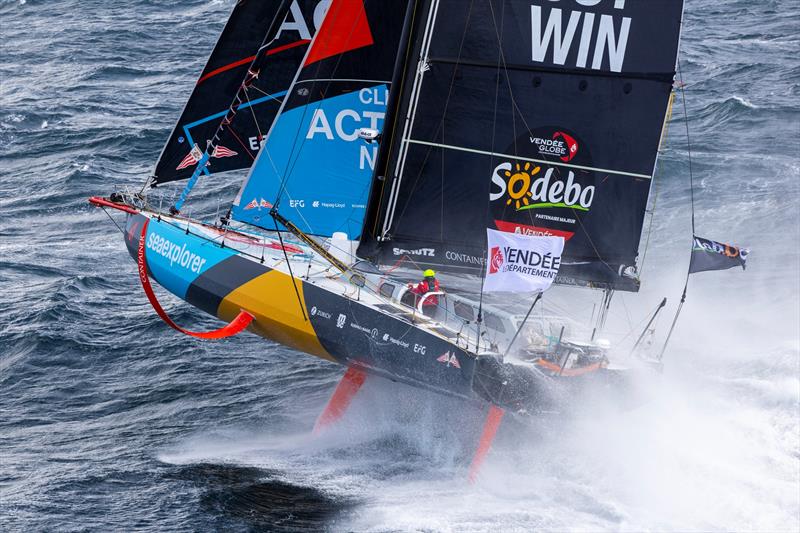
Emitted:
<point x="529" y="116"/>
<point x="245" y="43"/>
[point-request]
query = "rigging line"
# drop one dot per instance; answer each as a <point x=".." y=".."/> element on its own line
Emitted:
<point x="291" y="275"/>
<point x="691" y="200"/>
<point x="112" y="220"/>
<point x="491" y="163"/>
<point x="232" y="132"/>
<point x="265" y="93"/>
<point x="688" y="147"/>
<point x="253" y="112"/>
<point x="656" y="185"/>
<point x="524" y="320"/>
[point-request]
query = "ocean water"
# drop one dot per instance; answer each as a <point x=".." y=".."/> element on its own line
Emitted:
<point x="111" y="421"/>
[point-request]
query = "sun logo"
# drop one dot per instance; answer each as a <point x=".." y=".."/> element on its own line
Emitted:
<point x="519" y="184"/>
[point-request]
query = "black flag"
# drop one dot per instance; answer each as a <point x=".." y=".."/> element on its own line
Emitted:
<point x="712" y="255"/>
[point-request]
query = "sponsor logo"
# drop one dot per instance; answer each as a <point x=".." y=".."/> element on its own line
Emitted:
<point x="175" y="253"/>
<point x="524" y="262"/>
<point x="315" y="311"/>
<point x="361" y="328"/>
<point x="566" y="36"/>
<point x="340" y="321"/>
<point x="524" y="229"/>
<point x="346" y="123"/>
<point x="297" y="203"/>
<point x="727" y="250"/>
<point x="561" y="145"/>
<point x="424" y="252"/>
<point x="315" y="203"/>
<point x="256" y="142"/>
<point x="388" y="338"/>
<point x="256" y="204"/>
<point x="134" y="231"/>
<point x="373" y="333"/>
<point x="496" y="260"/>
<point x="516" y="181"/>
<point x="459" y="257"/>
<point x="449" y="358"/>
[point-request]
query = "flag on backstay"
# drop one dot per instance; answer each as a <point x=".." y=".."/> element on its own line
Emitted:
<point x="521" y="263"/>
<point x="221" y="151"/>
<point x="711" y="255"/>
<point x="191" y="158"/>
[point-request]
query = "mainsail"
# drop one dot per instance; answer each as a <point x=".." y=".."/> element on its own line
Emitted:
<point x="244" y="43"/>
<point x="314" y="166"/>
<point x="531" y="116"/>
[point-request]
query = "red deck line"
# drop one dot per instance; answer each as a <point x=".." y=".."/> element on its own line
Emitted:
<point x="248" y="60"/>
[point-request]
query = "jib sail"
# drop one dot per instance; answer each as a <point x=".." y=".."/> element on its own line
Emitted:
<point x="532" y="116"/>
<point x="243" y="44"/>
<point x="314" y="166"/>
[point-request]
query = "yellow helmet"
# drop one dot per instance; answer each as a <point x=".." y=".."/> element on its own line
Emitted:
<point x="429" y="274"/>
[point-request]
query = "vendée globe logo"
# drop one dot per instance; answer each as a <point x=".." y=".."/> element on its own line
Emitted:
<point x="496" y="260"/>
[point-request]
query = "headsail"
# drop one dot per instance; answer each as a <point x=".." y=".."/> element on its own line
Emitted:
<point x="243" y="40"/>
<point x="313" y="165"/>
<point x="528" y="116"/>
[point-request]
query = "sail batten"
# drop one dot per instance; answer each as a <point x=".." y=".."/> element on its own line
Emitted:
<point x="528" y="116"/>
<point x="532" y="160"/>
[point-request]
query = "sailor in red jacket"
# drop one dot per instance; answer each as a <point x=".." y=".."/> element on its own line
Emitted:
<point x="428" y="284"/>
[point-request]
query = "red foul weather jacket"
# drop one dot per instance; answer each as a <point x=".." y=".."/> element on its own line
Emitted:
<point x="424" y="288"/>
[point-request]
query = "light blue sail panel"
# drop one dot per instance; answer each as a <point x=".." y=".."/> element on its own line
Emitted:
<point x="314" y="157"/>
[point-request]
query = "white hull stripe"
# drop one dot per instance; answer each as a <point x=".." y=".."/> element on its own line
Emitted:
<point x="542" y="161"/>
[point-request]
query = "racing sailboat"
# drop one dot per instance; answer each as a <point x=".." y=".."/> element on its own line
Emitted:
<point x="407" y="129"/>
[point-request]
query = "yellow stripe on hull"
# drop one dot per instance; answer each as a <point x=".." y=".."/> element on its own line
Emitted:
<point x="272" y="300"/>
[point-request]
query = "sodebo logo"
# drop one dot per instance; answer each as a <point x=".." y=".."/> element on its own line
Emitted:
<point x="542" y="192"/>
<point x="174" y="253"/>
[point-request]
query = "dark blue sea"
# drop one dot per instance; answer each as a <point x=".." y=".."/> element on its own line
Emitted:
<point x="110" y="421"/>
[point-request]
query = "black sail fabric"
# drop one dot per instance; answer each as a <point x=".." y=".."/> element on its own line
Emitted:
<point x="528" y="116"/>
<point x="244" y="43"/>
